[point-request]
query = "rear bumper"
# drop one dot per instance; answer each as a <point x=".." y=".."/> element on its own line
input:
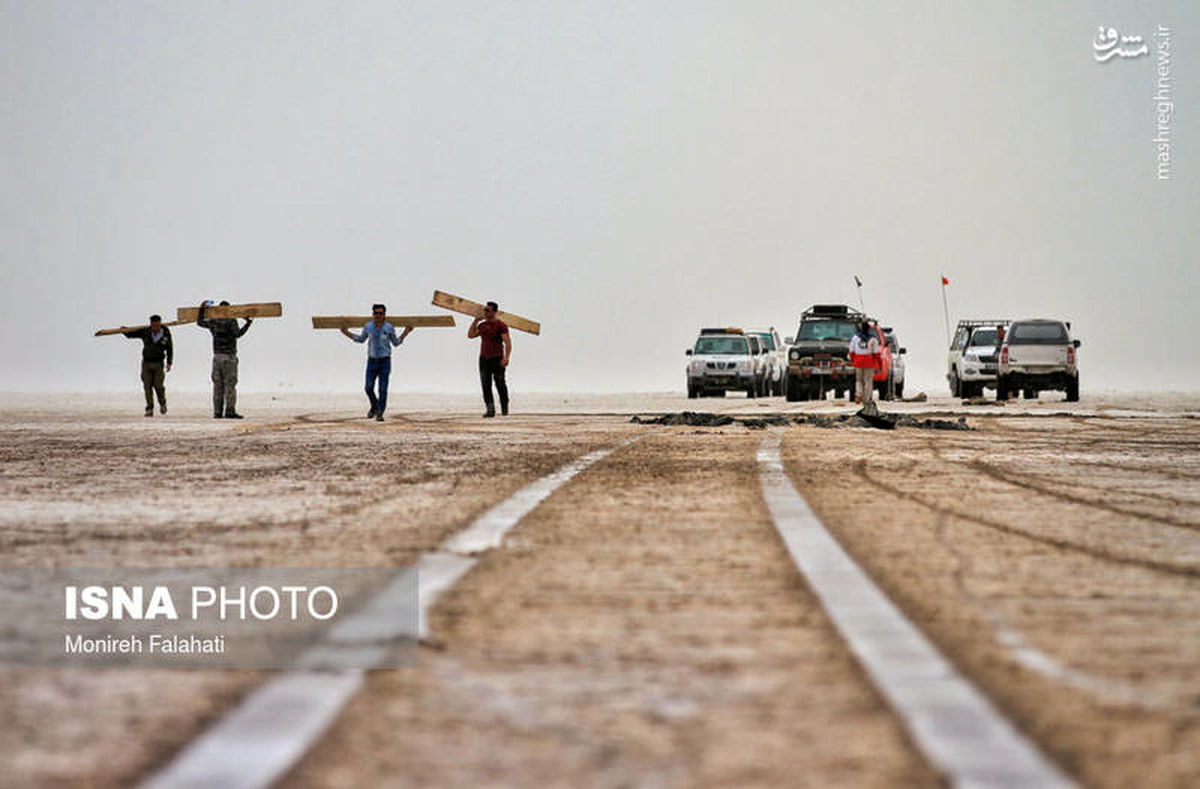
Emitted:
<point x="1024" y="379"/>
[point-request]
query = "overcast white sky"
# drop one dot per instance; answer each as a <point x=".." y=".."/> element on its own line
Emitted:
<point x="622" y="172"/>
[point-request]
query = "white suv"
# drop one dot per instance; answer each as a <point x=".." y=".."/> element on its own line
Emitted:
<point x="775" y="359"/>
<point x="722" y="360"/>
<point x="1038" y="355"/>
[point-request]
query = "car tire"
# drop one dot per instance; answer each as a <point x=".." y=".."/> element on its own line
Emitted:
<point x="1073" y="390"/>
<point x="792" y="391"/>
<point x="692" y="392"/>
<point x="1001" y="389"/>
<point x="955" y="384"/>
<point x="900" y="390"/>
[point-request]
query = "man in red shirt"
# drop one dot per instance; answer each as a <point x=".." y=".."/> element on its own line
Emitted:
<point x="494" y="349"/>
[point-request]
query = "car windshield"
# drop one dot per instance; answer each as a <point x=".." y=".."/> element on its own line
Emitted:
<point x="767" y="341"/>
<point x="718" y="345"/>
<point x="983" y="337"/>
<point x="1037" y="334"/>
<point x="826" y="330"/>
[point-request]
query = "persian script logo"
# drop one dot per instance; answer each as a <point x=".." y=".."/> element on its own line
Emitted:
<point x="1109" y="44"/>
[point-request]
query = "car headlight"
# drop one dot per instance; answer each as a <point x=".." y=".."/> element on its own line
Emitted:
<point x="794" y="355"/>
<point x="697" y="366"/>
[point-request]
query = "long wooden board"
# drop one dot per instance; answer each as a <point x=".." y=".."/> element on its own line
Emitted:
<point x="468" y="307"/>
<point x="266" y="309"/>
<point x="357" y="322"/>
<point x="123" y="329"/>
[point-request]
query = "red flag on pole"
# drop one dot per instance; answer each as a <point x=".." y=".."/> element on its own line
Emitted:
<point x="945" y="281"/>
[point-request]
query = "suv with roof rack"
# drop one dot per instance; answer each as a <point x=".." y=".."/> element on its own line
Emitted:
<point x="1038" y="355"/>
<point x="819" y="356"/>
<point x="974" y="356"/>
<point x="725" y="359"/>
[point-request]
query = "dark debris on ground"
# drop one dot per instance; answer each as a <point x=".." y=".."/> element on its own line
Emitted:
<point x="880" y="421"/>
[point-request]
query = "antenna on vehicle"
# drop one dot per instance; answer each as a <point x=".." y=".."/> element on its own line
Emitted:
<point x="858" y="284"/>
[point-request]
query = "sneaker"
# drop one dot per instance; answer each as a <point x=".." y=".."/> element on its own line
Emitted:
<point x="491" y="412"/>
<point x="162" y="409"/>
<point x="379" y="417"/>
<point x="217" y="416"/>
<point x="371" y="414"/>
<point x="233" y="415"/>
<point x="150" y="411"/>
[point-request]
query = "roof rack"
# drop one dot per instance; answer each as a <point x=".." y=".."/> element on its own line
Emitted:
<point x="974" y="322"/>
<point x="726" y="330"/>
<point x="832" y="311"/>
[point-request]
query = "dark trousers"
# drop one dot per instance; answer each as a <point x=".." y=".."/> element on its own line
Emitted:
<point x="224" y="379"/>
<point x="491" y="369"/>
<point x="378" y="370"/>
<point x="154" y="382"/>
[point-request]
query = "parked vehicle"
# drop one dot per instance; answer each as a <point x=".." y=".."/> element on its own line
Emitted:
<point x="819" y="356"/>
<point x="775" y="358"/>
<point x="722" y="361"/>
<point x="974" y="356"/>
<point x="896" y="385"/>
<point x="1038" y="355"/>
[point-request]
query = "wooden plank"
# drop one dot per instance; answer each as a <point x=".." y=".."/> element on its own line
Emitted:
<point x="123" y="329"/>
<point x="266" y="309"/>
<point x="468" y="307"/>
<point x="357" y="322"/>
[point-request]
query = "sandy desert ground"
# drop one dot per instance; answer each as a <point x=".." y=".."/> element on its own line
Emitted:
<point x="643" y="626"/>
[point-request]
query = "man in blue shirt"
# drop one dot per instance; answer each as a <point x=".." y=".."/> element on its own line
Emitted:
<point x="380" y="337"/>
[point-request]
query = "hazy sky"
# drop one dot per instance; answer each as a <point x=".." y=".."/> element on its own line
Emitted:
<point x="622" y="172"/>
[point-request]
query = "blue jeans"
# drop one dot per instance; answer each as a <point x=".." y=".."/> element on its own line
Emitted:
<point x="381" y="369"/>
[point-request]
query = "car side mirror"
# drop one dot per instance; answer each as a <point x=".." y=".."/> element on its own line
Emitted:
<point x="903" y="350"/>
<point x="688" y="352"/>
<point x="789" y="340"/>
<point x="1076" y="343"/>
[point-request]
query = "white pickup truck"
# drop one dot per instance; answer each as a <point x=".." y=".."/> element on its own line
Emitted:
<point x="974" y="356"/>
<point x="1038" y="355"/>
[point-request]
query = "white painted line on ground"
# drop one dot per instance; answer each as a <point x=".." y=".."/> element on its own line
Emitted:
<point x="254" y="745"/>
<point x="489" y="529"/>
<point x="438" y="572"/>
<point x="953" y="724"/>
<point x="265" y="735"/>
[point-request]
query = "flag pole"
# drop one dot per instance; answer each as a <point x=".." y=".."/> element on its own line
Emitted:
<point x="945" y="307"/>
<point x="858" y="285"/>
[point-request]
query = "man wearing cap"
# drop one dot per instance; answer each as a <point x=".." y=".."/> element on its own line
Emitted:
<point x="382" y="338"/>
<point x="225" y="333"/>
<point x="495" y="346"/>
<point x="157" y="354"/>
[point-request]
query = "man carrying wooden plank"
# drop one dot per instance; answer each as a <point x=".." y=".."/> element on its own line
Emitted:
<point x="157" y="354"/>
<point x="382" y="337"/>
<point x="225" y="333"/>
<point x="495" y="348"/>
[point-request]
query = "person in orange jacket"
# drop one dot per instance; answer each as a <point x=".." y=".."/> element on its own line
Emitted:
<point x="864" y="355"/>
